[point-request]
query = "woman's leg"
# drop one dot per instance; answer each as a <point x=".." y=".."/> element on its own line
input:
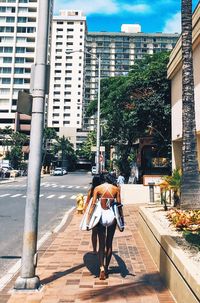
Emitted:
<point x="102" y="237"/>
<point x="94" y="239"/>
<point x="109" y="240"/>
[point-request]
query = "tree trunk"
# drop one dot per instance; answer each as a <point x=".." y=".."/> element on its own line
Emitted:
<point x="190" y="188"/>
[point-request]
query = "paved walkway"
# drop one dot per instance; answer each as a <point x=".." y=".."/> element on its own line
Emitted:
<point x="68" y="271"/>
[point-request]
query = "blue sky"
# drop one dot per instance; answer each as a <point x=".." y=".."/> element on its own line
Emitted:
<point x="108" y="15"/>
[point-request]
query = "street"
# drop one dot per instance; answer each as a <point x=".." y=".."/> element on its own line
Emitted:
<point x="57" y="195"/>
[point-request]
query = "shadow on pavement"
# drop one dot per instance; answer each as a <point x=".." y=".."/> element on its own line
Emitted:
<point x="91" y="261"/>
<point x="121" y="269"/>
<point x="57" y="275"/>
<point x="144" y="286"/>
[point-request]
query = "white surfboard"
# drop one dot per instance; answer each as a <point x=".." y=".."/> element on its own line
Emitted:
<point x="94" y="218"/>
<point x="119" y="218"/>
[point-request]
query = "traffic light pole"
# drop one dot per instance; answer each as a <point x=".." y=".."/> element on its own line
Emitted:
<point x="28" y="279"/>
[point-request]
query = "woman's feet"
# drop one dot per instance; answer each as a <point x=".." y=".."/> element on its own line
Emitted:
<point x="102" y="275"/>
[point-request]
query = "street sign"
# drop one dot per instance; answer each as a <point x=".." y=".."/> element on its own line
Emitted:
<point x="94" y="148"/>
<point x="24" y="103"/>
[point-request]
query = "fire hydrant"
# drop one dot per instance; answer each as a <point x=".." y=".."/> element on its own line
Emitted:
<point x="80" y="203"/>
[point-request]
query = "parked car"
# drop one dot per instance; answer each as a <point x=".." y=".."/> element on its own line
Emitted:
<point x="10" y="172"/>
<point x="93" y="170"/>
<point x="59" y="171"/>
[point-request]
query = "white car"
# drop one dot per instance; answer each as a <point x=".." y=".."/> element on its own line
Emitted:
<point x="59" y="171"/>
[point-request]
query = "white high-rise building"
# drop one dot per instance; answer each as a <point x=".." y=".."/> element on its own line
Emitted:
<point x="67" y="74"/>
<point x="18" y="28"/>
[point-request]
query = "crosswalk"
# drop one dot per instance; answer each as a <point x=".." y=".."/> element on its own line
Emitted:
<point x="52" y="196"/>
<point x="51" y="185"/>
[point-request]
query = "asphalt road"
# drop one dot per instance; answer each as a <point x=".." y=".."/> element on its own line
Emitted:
<point x="57" y="195"/>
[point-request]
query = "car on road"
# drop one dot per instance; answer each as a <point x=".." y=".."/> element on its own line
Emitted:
<point x="59" y="171"/>
<point x="93" y="170"/>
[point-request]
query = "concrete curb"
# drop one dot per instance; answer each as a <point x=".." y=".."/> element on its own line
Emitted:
<point x="174" y="266"/>
<point x="16" y="267"/>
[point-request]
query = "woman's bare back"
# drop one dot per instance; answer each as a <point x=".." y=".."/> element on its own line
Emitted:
<point x="104" y="192"/>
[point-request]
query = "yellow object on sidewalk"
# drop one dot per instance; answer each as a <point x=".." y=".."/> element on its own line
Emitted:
<point x="80" y="203"/>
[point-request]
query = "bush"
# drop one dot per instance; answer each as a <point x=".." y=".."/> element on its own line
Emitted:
<point x="188" y="220"/>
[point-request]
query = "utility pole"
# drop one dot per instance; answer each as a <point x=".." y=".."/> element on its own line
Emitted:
<point x="27" y="278"/>
<point x="98" y="117"/>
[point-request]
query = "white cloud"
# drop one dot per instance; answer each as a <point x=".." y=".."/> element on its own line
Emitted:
<point x="137" y="8"/>
<point x="173" y="25"/>
<point x="89" y="7"/>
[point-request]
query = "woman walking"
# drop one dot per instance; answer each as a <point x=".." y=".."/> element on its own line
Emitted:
<point x="107" y="194"/>
<point x="96" y="181"/>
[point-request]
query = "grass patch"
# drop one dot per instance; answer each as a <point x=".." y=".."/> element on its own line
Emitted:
<point x="192" y="238"/>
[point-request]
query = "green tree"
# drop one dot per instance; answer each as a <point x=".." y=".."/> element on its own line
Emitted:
<point x="66" y="153"/>
<point x="130" y="104"/>
<point x="49" y="137"/>
<point x="87" y="145"/>
<point x="15" y="155"/>
<point x="190" y="189"/>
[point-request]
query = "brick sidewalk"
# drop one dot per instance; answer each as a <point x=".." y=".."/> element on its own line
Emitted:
<point x="68" y="270"/>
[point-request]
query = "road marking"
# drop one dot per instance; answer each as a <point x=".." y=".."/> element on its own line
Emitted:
<point x="4" y="195"/>
<point x="70" y="186"/>
<point x="62" y="186"/>
<point x="41" y="195"/>
<point x="72" y="197"/>
<point x="47" y="185"/>
<point x="23" y="196"/>
<point x="17" y="195"/>
<point x="62" y="197"/>
<point x="85" y="187"/>
<point x="51" y="196"/>
<point x="55" y="186"/>
<point x="77" y="186"/>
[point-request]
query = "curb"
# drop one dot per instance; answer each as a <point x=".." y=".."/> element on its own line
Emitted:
<point x="16" y="267"/>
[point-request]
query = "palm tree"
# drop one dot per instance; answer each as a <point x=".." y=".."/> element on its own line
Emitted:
<point x="190" y="188"/>
<point x="65" y="149"/>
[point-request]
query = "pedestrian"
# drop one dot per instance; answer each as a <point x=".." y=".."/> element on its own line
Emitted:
<point x="107" y="194"/>
<point x="97" y="180"/>
<point x="120" y="179"/>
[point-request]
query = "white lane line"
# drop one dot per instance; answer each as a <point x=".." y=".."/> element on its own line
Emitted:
<point x="69" y="186"/>
<point x="5" y="195"/>
<point x="77" y="186"/>
<point x="17" y="195"/>
<point x="85" y="187"/>
<point x="47" y="185"/>
<point x="55" y="186"/>
<point x="72" y="197"/>
<point x="62" y="186"/>
<point x="41" y="195"/>
<point x="62" y="197"/>
<point x="23" y="196"/>
<point x="51" y="196"/>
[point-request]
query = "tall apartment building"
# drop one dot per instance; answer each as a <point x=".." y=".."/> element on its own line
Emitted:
<point x="18" y="30"/>
<point x="118" y="51"/>
<point x="67" y="74"/>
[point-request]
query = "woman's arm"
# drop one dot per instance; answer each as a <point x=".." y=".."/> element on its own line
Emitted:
<point x="92" y="206"/>
<point x="118" y="197"/>
<point x="87" y="200"/>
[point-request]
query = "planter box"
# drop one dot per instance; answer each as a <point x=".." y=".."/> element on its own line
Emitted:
<point x="179" y="274"/>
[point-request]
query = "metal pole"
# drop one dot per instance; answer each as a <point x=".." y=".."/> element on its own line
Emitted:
<point x="28" y="279"/>
<point x="98" y="118"/>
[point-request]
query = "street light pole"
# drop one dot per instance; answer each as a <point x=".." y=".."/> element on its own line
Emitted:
<point x="98" y="105"/>
<point x="27" y="278"/>
<point x="98" y="117"/>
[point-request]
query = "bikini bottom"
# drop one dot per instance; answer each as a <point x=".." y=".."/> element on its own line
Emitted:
<point x="107" y="217"/>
